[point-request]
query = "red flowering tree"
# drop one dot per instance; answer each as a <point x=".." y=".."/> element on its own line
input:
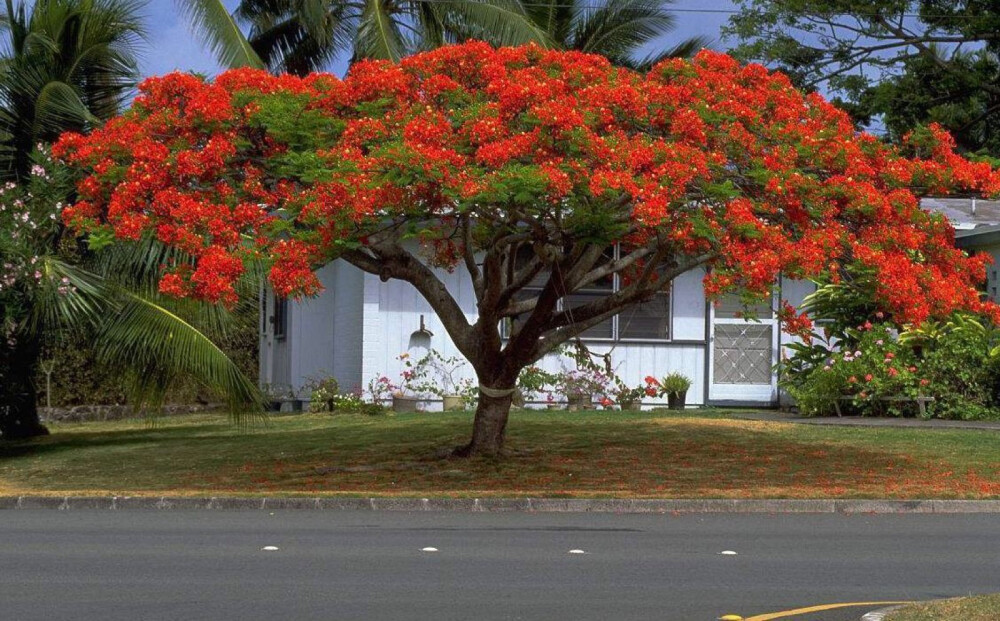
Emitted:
<point x="523" y="165"/>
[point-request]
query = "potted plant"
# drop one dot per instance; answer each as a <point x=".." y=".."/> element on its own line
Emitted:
<point x="580" y="386"/>
<point x="434" y="374"/>
<point x="628" y="398"/>
<point x="533" y="382"/>
<point x="675" y="386"/>
<point x="405" y="397"/>
<point x="381" y="389"/>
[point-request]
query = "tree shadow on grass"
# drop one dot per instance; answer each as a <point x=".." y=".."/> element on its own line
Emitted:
<point x="544" y="456"/>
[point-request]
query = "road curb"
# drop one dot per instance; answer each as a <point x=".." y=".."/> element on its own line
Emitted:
<point x="880" y="614"/>
<point x="492" y="505"/>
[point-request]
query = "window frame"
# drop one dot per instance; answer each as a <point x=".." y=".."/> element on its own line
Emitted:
<point x="279" y="317"/>
<point x="505" y="328"/>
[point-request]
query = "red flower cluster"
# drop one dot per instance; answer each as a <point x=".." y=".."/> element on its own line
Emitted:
<point x="706" y="158"/>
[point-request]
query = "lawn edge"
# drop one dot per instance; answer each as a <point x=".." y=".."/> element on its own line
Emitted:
<point x="527" y="505"/>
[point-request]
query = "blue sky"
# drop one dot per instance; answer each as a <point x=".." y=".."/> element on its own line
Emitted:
<point x="171" y="44"/>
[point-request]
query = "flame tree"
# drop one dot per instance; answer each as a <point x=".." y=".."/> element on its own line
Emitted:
<point x="523" y="165"/>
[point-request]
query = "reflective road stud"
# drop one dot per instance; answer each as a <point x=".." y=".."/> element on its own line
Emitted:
<point x="730" y="618"/>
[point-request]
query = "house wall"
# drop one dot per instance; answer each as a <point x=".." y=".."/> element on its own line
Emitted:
<point x="794" y="291"/>
<point x="392" y="312"/>
<point x="275" y="353"/>
<point x="348" y="326"/>
<point x="358" y="327"/>
<point x="985" y="240"/>
<point x="323" y="336"/>
<point x="993" y="273"/>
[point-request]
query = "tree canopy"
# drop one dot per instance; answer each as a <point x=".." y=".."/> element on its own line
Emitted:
<point x="903" y="62"/>
<point x="522" y="165"/>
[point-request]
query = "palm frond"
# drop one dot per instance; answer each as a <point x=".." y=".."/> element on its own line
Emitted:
<point x="57" y="106"/>
<point x="618" y="28"/>
<point x="379" y="35"/>
<point x="69" y="296"/>
<point x="162" y="346"/>
<point x="71" y="64"/>
<point x="684" y="49"/>
<point x="555" y="17"/>
<point x="136" y="268"/>
<point x="220" y="33"/>
<point x="500" y="22"/>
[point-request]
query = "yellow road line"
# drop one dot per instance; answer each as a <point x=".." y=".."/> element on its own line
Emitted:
<point x="820" y="608"/>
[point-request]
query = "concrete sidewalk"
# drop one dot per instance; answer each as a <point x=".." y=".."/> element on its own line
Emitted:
<point x="502" y="505"/>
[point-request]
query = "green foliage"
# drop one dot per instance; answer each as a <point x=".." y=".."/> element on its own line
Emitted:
<point x="674" y="383"/>
<point x="219" y="31"/>
<point x="616" y="29"/>
<point x="289" y="121"/>
<point x="68" y="65"/>
<point x="964" y="372"/>
<point x="856" y="353"/>
<point x="955" y="362"/>
<point x="907" y="63"/>
<point x="325" y="396"/>
<point x="534" y="381"/>
<point x="875" y="366"/>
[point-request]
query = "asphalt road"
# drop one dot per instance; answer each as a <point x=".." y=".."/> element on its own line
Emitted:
<point x="210" y="565"/>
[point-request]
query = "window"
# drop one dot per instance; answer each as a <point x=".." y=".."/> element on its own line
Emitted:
<point x="731" y="306"/>
<point x="591" y="293"/>
<point x="531" y="290"/>
<point x="279" y="320"/>
<point x="263" y="312"/>
<point x="647" y="321"/>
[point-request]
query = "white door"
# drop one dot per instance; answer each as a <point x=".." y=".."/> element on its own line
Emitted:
<point x="742" y="354"/>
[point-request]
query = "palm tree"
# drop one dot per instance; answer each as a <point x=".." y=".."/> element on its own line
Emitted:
<point x="69" y="65"/>
<point x="299" y="36"/>
<point x="616" y="29"/>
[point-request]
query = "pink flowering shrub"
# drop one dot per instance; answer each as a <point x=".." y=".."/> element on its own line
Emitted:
<point x="950" y="362"/>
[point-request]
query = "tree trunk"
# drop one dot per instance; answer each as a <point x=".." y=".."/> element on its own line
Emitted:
<point x="18" y="404"/>
<point x="488" y="428"/>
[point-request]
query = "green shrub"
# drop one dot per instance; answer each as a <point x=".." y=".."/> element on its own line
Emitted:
<point x="963" y="376"/>
<point x="954" y="362"/>
<point x="325" y="396"/>
<point x="873" y="367"/>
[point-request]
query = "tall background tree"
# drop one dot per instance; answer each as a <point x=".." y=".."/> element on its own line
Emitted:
<point x="898" y="63"/>
<point x="71" y="65"/>
<point x="300" y="36"/>
<point x="519" y="166"/>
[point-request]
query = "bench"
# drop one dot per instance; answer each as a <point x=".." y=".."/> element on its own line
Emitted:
<point x="919" y="400"/>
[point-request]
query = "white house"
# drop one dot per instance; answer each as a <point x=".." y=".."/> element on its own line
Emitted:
<point x="357" y="328"/>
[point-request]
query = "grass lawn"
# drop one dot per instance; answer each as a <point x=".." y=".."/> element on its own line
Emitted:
<point x="981" y="608"/>
<point x="699" y="453"/>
